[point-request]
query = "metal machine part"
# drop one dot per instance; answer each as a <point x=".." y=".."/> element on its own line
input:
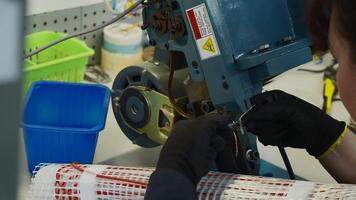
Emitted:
<point x="140" y="105"/>
<point x="226" y="49"/>
<point x="148" y="112"/>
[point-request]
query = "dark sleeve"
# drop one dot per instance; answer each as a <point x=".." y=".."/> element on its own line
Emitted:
<point x="169" y="184"/>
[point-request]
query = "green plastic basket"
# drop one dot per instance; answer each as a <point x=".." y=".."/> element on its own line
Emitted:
<point x="63" y="62"/>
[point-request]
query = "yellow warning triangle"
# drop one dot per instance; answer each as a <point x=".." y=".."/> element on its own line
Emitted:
<point x="209" y="45"/>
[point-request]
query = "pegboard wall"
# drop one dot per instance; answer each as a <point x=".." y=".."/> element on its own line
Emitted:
<point x="71" y="21"/>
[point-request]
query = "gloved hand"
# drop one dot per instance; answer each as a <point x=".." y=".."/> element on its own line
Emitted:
<point x="193" y="146"/>
<point x="278" y="118"/>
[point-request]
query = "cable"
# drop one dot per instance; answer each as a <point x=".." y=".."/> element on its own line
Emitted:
<point x="284" y="155"/>
<point x="286" y="162"/>
<point x="236" y="143"/>
<point x="280" y="147"/>
<point x="312" y="71"/>
<point x="77" y="167"/>
<point x="175" y="105"/>
<point x="241" y="118"/>
<point x="352" y="129"/>
<point x="120" y="16"/>
<point x="332" y="65"/>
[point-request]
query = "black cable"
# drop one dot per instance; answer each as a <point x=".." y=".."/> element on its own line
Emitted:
<point x="352" y="129"/>
<point x="286" y="162"/>
<point x="331" y="66"/>
<point x="117" y="18"/>
<point x="312" y="71"/>
<point x="336" y="99"/>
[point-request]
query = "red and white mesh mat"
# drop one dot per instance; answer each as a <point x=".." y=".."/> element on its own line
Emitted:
<point x="89" y="182"/>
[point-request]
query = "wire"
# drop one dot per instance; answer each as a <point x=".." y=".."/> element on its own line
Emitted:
<point x="286" y="162"/>
<point x="77" y="167"/>
<point x="352" y="129"/>
<point x="241" y="118"/>
<point x="175" y="105"/>
<point x="312" y="71"/>
<point x="120" y="16"/>
<point x="332" y="65"/>
<point x="236" y="142"/>
<point x="280" y="147"/>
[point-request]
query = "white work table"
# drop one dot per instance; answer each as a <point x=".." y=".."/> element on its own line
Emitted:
<point x="115" y="149"/>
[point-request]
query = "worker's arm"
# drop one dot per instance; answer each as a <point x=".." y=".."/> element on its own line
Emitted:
<point x="278" y="118"/>
<point x="341" y="163"/>
<point x="186" y="157"/>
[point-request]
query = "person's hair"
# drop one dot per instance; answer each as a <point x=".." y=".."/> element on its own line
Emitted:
<point x="319" y="16"/>
<point x="318" y="22"/>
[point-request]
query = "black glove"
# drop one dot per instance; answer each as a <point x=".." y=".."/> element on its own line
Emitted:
<point x="193" y="146"/>
<point x="278" y="118"/>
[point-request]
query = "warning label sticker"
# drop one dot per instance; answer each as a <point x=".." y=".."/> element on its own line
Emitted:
<point x="209" y="45"/>
<point x="203" y="32"/>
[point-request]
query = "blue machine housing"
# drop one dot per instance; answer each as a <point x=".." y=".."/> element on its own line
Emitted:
<point x="255" y="40"/>
<point x="240" y="27"/>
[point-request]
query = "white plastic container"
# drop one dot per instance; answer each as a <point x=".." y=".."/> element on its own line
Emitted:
<point x="122" y="47"/>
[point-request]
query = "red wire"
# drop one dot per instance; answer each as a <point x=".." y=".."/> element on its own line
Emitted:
<point x="77" y="167"/>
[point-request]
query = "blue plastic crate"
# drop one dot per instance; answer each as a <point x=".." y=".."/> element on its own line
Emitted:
<point x="61" y="121"/>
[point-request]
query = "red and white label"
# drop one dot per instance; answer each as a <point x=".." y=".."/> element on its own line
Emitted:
<point x="203" y="32"/>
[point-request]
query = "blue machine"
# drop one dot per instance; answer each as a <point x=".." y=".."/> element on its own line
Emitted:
<point x="221" y="52"/>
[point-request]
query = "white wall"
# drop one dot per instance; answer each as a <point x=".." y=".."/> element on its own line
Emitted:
<point x="41" y="6"/>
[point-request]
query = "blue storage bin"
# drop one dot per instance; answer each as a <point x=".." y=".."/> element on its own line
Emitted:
<point x="61" y="121"/>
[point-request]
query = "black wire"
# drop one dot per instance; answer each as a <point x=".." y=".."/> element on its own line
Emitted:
<point x="286" y="162"/>
<point x="352" y="129"/>
<point x="312" y="71"/>
<point x="120" y="16"/>
<point x="332" y="65"/>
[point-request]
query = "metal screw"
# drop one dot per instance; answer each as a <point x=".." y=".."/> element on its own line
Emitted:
<point x="251" y="155"/>
<point x="206" y="106"/>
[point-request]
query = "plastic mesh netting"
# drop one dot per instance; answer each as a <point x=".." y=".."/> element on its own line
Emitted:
<point x="66" y="182"/>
